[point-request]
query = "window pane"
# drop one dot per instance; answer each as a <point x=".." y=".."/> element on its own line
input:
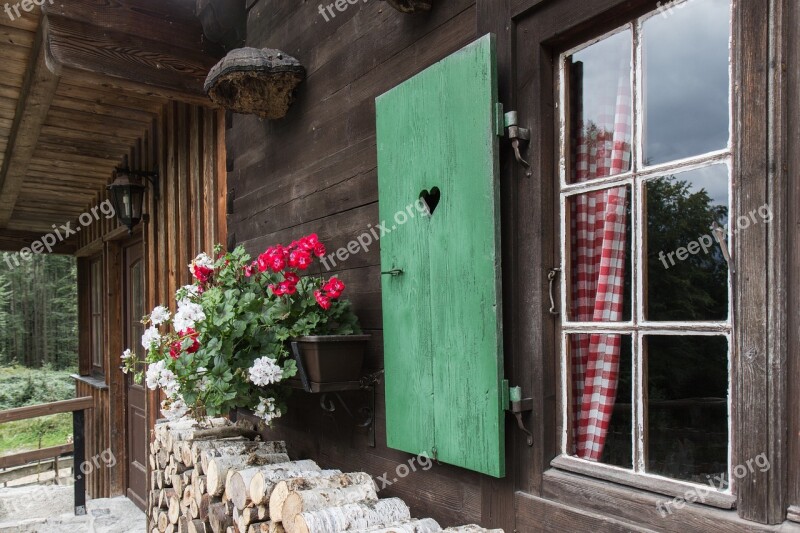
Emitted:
<point x="686" y="100"/>
<point x="687" y="274"/>
<point x="600" y="109"/>
<point x="601" y="413"/>
<point x="687" y="406"/>
<point x="599" y="281"/>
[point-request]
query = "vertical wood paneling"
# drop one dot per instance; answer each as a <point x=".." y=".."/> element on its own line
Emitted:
<point x="181" y="220"/>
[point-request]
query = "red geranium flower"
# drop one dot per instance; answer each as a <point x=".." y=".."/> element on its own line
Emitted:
<point x="201" y="273"/>
<point x="319" y="249"/>
<point x="249" y="270"/>
<point x="300" y="259"/>
<point x="287" y="287"/>
<point x="334" y="287"/>
<point x="323" y="300"/>
<point x="291" y="277"/>
<point x="277" y="290"/>
<point x="309" y="242"/>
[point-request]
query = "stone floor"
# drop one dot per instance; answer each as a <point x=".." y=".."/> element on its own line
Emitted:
<point x="38" y="508"/>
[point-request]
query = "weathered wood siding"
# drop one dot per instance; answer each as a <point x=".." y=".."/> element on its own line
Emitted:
<point x="98" y="475"/>
<point x="316" y="171"/>
<point x="185" y="143"/>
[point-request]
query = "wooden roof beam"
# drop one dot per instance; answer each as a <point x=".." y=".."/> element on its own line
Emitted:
<point x="94" y="54"/>
<point x="38" y="89"/>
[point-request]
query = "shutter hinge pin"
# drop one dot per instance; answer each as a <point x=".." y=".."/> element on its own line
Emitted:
<point x="518" y="136"/>
<point x="520" y="405"/>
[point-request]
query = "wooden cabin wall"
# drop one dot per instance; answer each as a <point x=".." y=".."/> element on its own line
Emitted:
<point x="185" y="216"/>
<point x="316" y="171"/>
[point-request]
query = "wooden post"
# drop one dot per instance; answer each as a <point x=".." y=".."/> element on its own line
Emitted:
<point x="78" y="461"/>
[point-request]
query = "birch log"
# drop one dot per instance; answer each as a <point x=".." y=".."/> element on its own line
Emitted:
<point x="206" y="450"/>
<point x="219" y="517"/>
<point x="472" y="528"/>
<point x="263" y="483"/>
<point x="365" y="515"/>
<point x="315" y="499"/>
<point x="218" y="467"/>
<point x="426" y="525"/>
<point x="238" y="487"/>
<point x="283" y="488"/>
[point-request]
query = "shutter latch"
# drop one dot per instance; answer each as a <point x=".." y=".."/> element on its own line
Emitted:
<point x="518" y="406"/>
<point x="518" y="136"/>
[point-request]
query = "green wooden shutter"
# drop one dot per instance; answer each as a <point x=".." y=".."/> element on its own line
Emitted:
<point x="442" y="316"/>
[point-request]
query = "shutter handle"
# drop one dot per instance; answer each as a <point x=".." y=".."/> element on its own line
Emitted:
<point x="394" y="273"/>
<point x="552" y="275"/>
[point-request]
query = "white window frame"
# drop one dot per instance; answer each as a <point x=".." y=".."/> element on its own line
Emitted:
<point x="636" y="179"/>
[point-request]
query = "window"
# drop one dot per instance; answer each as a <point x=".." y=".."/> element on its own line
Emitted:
<point x="96" y="288"/>
<point x="645" y="200"/>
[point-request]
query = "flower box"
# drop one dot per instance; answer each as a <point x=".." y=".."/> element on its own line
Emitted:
<point x="332" y="358"/>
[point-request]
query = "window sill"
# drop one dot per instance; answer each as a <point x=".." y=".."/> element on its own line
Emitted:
<point x="93" y="382"/>
<point x="648" y="482"/>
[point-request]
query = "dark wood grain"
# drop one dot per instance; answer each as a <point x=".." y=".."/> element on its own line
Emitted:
<point x="36" y="94"/>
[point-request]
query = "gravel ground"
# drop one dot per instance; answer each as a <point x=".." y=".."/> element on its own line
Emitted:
<point x="49" y="509"/>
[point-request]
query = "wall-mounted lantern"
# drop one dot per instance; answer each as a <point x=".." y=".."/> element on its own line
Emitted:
<point x="127" y="193"/>
<point x="255" y="81"/>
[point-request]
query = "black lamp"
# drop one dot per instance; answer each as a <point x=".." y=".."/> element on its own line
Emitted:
<point x="127" y="194"/>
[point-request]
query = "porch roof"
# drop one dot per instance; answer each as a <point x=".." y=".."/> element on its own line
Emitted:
<point x="80" y="82"/>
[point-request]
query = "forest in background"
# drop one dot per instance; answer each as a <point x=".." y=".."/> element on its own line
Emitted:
<point x="39" y="313"/>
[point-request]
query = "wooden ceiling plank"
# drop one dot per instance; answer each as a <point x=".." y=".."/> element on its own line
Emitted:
<point x="109" y="95"/>
<point x="37" y="93"/>
<point x="62" y="104"/>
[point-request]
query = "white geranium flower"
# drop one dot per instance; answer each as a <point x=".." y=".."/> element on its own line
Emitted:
<point x="265" y="371"/>
<point x="203" y="260"/>
<point x="151" y="336"/>
<point x="174" y="409"/>
<point x="126" y="355"/>
<point x="169" y="383"/>
<point x="159" y="315"/>
<point x="191" y="292"/>
<point x="188" y="315"/>
<point x="153" y="374"/>
<point x="267" y="410"/>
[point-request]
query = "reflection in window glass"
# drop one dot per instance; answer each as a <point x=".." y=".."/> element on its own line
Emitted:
<point x="600" y="251"/>
<point x="687" y="406"/>
<point x="602" y="372"/>
<point x="600" y="107"/>
<point x="686" y="96"/>
<point x="687" y="274"/>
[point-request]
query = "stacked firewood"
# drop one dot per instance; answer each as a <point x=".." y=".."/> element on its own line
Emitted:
<point x="221" y="478"/>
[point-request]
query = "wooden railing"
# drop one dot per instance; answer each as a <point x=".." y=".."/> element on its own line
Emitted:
<point x="77" y="407"/>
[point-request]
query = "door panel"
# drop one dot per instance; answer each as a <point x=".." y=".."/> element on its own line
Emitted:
<point x="136" y="395"/>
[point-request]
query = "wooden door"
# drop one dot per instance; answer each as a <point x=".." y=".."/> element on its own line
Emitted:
<point x="133" y="311"/>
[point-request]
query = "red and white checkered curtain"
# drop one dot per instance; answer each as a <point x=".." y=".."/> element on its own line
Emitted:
<point x="598" y="270"/>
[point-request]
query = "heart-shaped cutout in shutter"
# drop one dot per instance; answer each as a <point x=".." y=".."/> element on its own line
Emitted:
<point x="431" y="199"/>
